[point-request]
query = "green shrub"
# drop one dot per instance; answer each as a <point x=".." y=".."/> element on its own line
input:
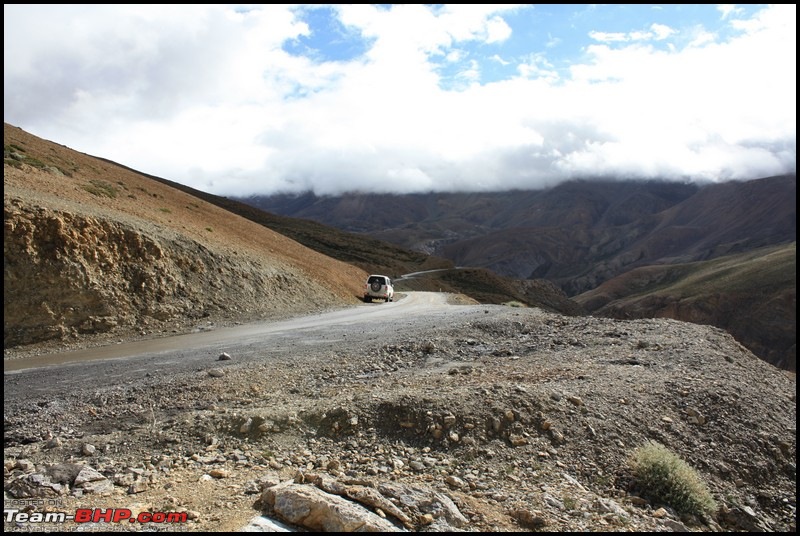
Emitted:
<point x="13" y="162"/>
<point x="664" y="476"/>
<point x="100" y="188"/>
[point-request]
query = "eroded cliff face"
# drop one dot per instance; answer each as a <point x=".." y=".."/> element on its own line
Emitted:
<point x="67" y="275"/>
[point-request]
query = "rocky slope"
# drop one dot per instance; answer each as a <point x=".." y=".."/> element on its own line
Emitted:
<point x="481" y="418"/>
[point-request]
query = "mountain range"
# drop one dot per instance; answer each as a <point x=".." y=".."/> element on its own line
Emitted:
<point x="714" y="253"/>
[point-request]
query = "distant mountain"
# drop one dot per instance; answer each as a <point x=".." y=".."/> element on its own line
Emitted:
<point x="580" y="234"/>
<point x="577" y="234"/>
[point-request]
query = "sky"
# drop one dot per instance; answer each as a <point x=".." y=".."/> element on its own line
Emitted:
<point x="243" y="99"/>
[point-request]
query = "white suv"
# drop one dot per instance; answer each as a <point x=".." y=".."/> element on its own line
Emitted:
<point x="378" y="286"/>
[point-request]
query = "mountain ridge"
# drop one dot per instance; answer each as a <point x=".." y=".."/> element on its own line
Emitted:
<point x="582" y="234"/>
<point x="673" y="220"/>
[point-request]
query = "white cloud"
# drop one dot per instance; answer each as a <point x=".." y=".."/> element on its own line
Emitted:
<point x="609" y="37"/>
<point x="497" y="30"/>
<point x="206" y="95"/>
<point x="661" y="31"/>
<point x="728" y="9"/>
<point x="537" y="66"/>
<point x="500" y="60"/>
<point x="657" y="32"/>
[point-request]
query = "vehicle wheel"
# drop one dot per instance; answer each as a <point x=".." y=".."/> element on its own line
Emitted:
<point x="367" y="299"/>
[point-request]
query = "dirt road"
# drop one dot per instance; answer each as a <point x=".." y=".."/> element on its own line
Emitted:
<point x="368" y="324"/>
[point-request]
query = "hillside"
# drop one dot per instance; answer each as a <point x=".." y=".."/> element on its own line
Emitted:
<point x="576" y="234"/>
<point x="751" y="295"/>
<point x="94" y="249"/>
<point x="379" y="256"/>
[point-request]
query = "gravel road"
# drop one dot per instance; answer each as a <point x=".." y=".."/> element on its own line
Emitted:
<point x="373" y="324"/>
<point x="527" y="419"/>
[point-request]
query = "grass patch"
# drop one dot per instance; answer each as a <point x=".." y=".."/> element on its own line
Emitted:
<point x="13" y="157"/>
<point x="13" y="162"/>
<point x="12" y="146"/>
<point x="100" y="188"/>
<point x="663" y="476"/>
<point x="570" y="503"/>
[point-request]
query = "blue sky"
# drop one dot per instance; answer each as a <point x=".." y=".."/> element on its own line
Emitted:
<point x="244" y="99"/>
